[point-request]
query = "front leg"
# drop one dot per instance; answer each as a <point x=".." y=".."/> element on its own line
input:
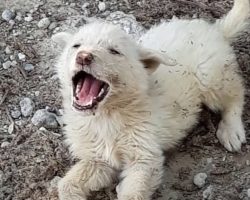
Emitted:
<point x="140" y="180"/>
<point x="84" y="177"/>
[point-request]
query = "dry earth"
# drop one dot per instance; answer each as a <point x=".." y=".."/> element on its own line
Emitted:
<point x="32" y="159"/>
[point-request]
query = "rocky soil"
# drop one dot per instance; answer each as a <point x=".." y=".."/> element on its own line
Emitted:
<point x="32" y="155"/>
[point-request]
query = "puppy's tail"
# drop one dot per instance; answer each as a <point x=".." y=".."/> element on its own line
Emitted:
<point x="236" y="20"/>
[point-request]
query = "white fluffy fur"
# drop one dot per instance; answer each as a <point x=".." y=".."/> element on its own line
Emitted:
<point x="144" y="112"/>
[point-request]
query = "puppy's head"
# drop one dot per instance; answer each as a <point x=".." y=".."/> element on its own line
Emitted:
<point x="102" y="68"/>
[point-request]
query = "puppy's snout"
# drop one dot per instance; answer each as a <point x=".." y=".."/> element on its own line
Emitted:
<point x="84" y="58"/>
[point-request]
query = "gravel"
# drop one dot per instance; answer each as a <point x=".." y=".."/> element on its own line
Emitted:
<point x="200" y="179"/>
<point x="44" y="118"/>
<point x="15" y="114"/>
<point x="85" y="5"/>
<point x="8" y="50"/>
<point x="248" y="193"/>
<point x="127" y="22"/>
<point x="28" y="67"/>
<point x="102" y="6"/>
<point x="5" y="144"/>
<point x="208" y="193"/>
<point x="27" y="107"/>
<point x="7" y="64"/>
<point x="8" y="15"/>
<point x="21" y="56"/>
<point x="44" y="23"/>
<point x="29" y="18"/>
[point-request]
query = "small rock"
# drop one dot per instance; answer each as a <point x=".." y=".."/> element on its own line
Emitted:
<point x="52" y="25"/>
<point x="8" y="15"/>
<point x="13" y="63"/>
<point x="28" y="67"/>
<point x="60" y="112"/>
<point x="5" y="144"/>
<point x="44" y="23"/>
<point x="248" y="193"/>
<point x="21" y="56"/>
<point x="29" y="18"/>
<point x="85" y="5"/>
<point x="7" y="50"/>
<point x="11" y="128"/>
<point x="7" y="64"/>
<point x="12" y="22"/>
<point x="27" y="107"/>
<point x="209" y="160"/>
<point x="37" y="93"/>
<point x="200" y="179"/>
<point x="19" y="17"/>
<point x="127" y="22"/>
<point x="15" y="114"/>
<point x="102" y="6"/>
<point x="1" y="180"/>
<point x="248" y="162"/>
<point x="44" y="118"/>
<point x="43" y="129"/>
<point x="19" y="123"/>
<point x="208" y="193"/>
<point x="12" y="57"/>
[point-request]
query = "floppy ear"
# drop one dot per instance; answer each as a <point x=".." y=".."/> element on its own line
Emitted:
<point x="61" y="38"/>
<point x="151" y="59"/>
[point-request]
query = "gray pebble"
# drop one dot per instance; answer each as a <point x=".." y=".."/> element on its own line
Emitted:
<point x="27" y="107"/>
<point x="21" y="56"/>
<point x="52" y="25"/>
<point x="208" y="193"/>
<point x="13" y="63"/>
<point x="29" y="18"/>
<point x="12" y="57"/>
<point x="248" y="193"/>
<point x="127" y="22"/>
<point x="44" y="118"/>
<point x="37" y="93"/>
<point x="1" y="179"/>
<point x="12" y="22"/>
<point x="44" y="23"/>
<point x="18" y="18"/>
<point x="7" y="64"/>
<point x="28" y="67"/>
<point x="8" y="50"/>
<point x="5" y="144"/>
<point x="200" y="179"/>
<point x="102" y="6"/>
<point x="15" y="114"/>
<point x="8" y="15"/>
<point x="85" y="5"/>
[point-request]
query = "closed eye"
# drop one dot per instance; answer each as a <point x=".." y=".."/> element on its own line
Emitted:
<point x="114" y="51"/>
<point x="76" y="46"/>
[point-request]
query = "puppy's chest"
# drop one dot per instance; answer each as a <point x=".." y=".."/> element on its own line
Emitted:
<point x="116" y="150"/>
<point x="116" y="147"/>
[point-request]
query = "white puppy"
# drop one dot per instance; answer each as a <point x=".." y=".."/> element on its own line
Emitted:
<point x="122" y="112"/>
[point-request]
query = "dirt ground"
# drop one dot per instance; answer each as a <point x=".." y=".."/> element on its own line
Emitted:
<point x="34" y="159"/>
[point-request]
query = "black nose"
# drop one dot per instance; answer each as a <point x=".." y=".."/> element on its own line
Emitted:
<point x="84" y="58"/>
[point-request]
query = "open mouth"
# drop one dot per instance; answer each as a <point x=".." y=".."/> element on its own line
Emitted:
<point x="88" y="91"/>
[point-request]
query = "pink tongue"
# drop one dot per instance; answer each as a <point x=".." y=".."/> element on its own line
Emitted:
<point x="88" y="90"/>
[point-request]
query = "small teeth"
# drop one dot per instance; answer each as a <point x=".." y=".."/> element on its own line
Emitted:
<point x="101" y="92"/>
<point x="79" y="86"/>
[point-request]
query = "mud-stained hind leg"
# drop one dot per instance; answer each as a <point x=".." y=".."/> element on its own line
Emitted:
<point x="229" y="99"/>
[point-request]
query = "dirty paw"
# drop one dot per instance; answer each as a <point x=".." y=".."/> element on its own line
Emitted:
<point x="231" y="135"/>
